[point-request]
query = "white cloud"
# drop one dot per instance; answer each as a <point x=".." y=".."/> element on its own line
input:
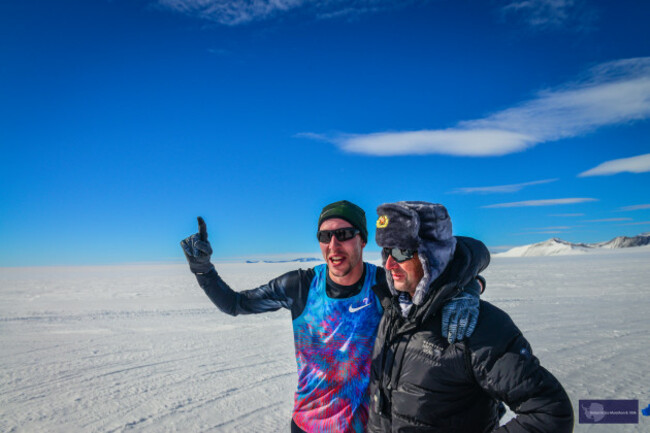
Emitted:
<point x="500" y="188"/>
<point x="231" y="12"/>
<point x="536" y="13"/>
<point x="635" y="164"/>
<point x="537" y="232"/>
<point x="551" y="202"/>
<point x="236" y="12"/>
<point x="635" y="207"/>
<point x="470" y="142"/>
<point x="636" y="224"/>
<point x="550" y="13"/>
<point x="567" y="215"/>
<point x="608" y="220"/>
<point x="311" y="136"/>
<point x="556" y="229"/>
<point x="612" y="93"/>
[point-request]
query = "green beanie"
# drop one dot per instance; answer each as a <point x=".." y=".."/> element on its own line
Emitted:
<point x="348" y="211"/>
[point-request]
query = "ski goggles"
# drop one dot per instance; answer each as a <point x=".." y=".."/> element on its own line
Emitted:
<point x="342" y="235"/>
<point x="400" y="255"/>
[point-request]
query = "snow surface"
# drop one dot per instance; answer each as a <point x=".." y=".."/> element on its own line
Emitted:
<point x="141" y="348"/>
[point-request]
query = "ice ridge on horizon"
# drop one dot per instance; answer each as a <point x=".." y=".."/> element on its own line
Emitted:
<point x="557" y="246"/>
<point x="300" y="260"/>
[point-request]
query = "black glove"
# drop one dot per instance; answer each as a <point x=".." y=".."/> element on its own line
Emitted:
<point x="197" y="250"/>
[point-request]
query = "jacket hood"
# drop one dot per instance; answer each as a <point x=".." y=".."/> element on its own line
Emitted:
<point x="470" y="258"/>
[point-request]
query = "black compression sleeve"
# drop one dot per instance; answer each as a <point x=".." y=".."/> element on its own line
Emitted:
<point x="287" y="291"/>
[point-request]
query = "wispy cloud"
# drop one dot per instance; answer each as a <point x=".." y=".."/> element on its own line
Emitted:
<point x="537" y="232"/>
<point x="608" y="220"/>
<point x="230" y="12"/>
<point x="567" y="215"/>
<point x="459" y="142"/>
<point x="611" y="93"/>
<point x="550" y="13"/>
<point x="312" y="136"/>
<point x="635" y="164"/>
<point x="636" y="224"/>
<point x="500" y="188"/>
<point x="556" y="229"/>
<point x="635" y="207"/>
<point x="551" y="202"/>
<point x="237" y="12"/>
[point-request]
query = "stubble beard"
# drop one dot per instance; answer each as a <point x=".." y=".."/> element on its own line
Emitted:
<point x="352" y="263"/>
<point x="404" y="286"/>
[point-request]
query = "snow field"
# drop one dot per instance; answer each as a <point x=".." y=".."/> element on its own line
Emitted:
<point x="586" y="318"/>
<point x="141" y="348"/>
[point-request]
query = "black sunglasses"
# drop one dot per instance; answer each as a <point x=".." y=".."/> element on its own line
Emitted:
<point x="400" y="255"/>
<point x="342" y="235"/>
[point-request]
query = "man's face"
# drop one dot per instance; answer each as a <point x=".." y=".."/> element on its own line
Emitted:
<point x="406" y="275"/>
<point x="344" y="259"/>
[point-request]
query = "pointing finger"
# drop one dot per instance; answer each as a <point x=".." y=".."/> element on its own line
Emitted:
<point x="203" y="231"/>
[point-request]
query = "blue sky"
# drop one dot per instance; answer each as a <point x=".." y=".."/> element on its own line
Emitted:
<point x="120" y="121"/>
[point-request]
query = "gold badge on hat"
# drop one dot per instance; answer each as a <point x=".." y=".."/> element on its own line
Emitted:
<point x="382" y="222"/>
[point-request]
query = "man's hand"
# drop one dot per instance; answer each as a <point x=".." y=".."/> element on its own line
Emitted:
<point x="460" y="314"/>
<point x="197" y="250"/>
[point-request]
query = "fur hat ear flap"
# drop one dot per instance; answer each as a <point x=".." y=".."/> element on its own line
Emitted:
<point x="398" y="226"/>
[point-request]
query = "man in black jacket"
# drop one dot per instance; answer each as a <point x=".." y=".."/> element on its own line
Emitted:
<point x="420" y="382"/>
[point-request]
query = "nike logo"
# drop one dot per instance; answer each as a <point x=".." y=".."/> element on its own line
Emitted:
<point x="355" y="309"/>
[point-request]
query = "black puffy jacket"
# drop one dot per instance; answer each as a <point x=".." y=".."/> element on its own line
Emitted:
<point x="421" y="383"/>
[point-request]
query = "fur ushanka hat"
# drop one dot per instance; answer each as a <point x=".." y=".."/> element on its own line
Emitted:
<point x="420" y="226"/>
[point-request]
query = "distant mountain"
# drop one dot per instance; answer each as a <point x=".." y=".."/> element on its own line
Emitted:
<point x="625" y="242"/>
<point x="551" y="247"/>
<point x="557" y="247"/>
<point x="301" y="260"/>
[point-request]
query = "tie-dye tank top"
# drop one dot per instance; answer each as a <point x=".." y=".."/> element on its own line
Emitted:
<point x="334" y="340"/>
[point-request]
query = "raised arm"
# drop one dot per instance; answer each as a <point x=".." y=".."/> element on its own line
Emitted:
<point x="280" y="292"/>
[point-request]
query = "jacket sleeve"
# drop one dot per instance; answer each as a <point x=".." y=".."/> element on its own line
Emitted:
<point x="513" y="375"/>
<point x="277" y="293"/>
